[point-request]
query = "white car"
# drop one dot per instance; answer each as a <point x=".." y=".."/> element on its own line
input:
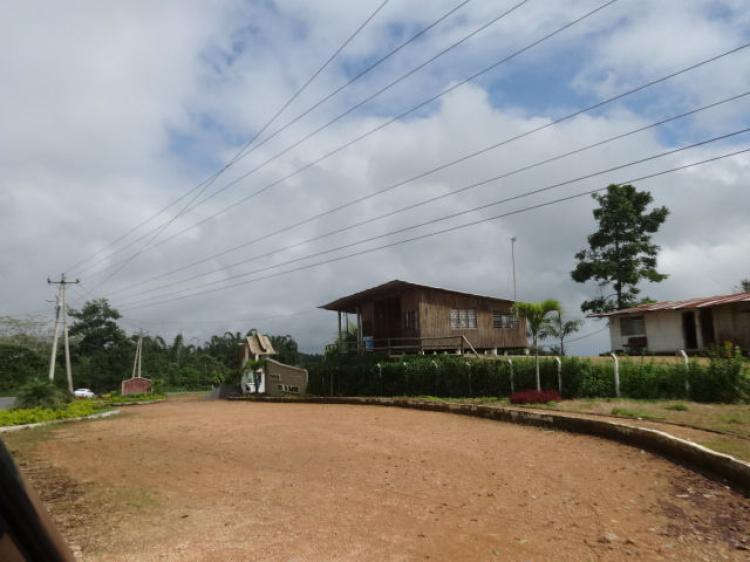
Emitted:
<point x="83" y="393"/>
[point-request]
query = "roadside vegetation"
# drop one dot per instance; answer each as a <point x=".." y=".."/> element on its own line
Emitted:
<point x="102" y="354"/>
<point x="724" y="378"/>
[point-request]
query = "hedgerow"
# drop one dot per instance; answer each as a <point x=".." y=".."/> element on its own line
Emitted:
<point x="77" y="409"/>
<point x="722" y="380"/>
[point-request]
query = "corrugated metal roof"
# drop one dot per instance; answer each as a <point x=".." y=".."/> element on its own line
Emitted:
<point x="702" y="302"/>
<point x="349" y="303"/>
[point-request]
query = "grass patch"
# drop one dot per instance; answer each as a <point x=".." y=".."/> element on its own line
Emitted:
<point x="738" y="448"/>
<point x="77" y="409"/>
<point x="635" y="414"/>
<point x="679" y="407"/>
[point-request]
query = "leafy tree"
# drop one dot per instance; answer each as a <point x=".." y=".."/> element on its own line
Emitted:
<point x="620" y="253"/>
<point x="286" y="348"/>
<point x="536" y="315"/>
<point x="96" y="324"/>
<point x="744" y="286"/>
<point x="559" y="328"/>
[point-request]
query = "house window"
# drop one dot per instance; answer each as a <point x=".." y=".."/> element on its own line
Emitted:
<point x="463" y="319"/>
<point x="411" y="322"/>
<point x="503" y="320"/>
<point x="632" y="326"/>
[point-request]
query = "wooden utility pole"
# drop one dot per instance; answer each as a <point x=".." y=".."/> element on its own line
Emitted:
<point x="62" y="309"/>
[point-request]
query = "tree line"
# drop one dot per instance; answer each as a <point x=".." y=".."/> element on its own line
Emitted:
<point x="102" y="353"/>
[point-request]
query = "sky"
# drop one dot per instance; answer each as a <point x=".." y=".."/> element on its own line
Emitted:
<point x="111" y="111"/>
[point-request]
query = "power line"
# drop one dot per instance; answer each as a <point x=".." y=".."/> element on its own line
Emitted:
<point x="201" y="187"/>
<point x="474" y="209"/>
<point x="585" y="336"/>
<point x="379" y="127"/>
<point x="441" y="167"/>
<point x="442" y="231"/>
<point x="431" y="199"/>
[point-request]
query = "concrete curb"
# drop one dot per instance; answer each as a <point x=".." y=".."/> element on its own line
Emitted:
<point x="141" y="403"/>
<point x="697" y="457"/>
<point x="10" y="428"/>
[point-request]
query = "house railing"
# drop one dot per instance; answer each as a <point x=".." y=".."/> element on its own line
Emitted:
<point x="397" y="346"/>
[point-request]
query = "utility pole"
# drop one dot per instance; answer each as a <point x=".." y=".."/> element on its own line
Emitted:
<point x="138" y="354"/>
<point x="513" y="259"/>
<point x="62" y="308"/>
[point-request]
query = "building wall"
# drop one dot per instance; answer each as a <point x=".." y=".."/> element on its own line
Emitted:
<point x="434" y="320"/>
<point x="665" y="332"/>
<point x="284" y="380"/>
<point x="732" y="323"/>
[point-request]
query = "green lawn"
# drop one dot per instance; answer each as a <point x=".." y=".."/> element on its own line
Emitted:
<point x="731" y="421"/>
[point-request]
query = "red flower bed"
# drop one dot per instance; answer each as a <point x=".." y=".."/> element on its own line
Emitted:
<point x="535" y="397"/>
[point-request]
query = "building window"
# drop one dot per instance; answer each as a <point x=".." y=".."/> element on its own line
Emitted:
<point x="463" y="319"/>
<point x="503" y="320"/>
<point x="411" y="322"/>
<point x="632" y="326"/>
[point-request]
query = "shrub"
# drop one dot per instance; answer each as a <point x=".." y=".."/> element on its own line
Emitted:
<point x="39" y="393"/>
<point x="20" y="416"/>
<point x="535" y="396"/>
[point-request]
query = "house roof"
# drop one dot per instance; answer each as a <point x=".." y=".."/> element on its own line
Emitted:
<point x="703" y="302"/>
<point x="259" y="344"/>
<point x="350" y="302"/>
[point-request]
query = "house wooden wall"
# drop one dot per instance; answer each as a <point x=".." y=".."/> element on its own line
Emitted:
<point x="383" y="317"/>
<point x="434" y="319"/>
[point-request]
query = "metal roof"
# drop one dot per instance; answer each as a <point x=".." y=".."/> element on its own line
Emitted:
<point x="703" y="302"/>
<point x="350" y="302"/>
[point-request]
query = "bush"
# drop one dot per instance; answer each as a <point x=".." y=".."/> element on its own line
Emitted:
<point x="39" y="393"/>
<point x="723" y="380"/>
<point x="535" y="396"/>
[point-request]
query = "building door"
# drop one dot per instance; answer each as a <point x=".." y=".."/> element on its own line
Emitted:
<point x="387" y="319"/>
<point x="689" y="331"/>
<point x="707" y="326"/>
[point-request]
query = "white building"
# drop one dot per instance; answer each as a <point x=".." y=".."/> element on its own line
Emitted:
<point x="692" y="325"/>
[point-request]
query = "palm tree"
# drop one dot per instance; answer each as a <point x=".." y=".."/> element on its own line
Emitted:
<point x="535" y="314"/>
<point x="561" y="329"/>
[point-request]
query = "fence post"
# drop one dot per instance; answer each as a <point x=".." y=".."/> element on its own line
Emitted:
<point x="617" y="374"/>
<point x="559" y="375"/>
<point x="510" y="366"/>
<point x="435" y="378"/>
<point x="686" y="361"/>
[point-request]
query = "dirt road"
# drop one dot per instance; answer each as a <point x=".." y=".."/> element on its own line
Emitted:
<point x="201" y="480"/>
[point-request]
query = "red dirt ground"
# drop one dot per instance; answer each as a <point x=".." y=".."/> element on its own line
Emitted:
<point x="215" y="480"/>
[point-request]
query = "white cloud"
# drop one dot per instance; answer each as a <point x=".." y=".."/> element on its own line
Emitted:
<point x="94" y="94"/>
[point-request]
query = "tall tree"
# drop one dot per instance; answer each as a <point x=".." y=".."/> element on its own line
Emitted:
<point x="96" y="324"/>
<point x="559" y="328"/>
<point x="620" y="253"/>
<point x="536" y="315"/>
<point x="286" y="348"/>
<point x="744" y="286"/>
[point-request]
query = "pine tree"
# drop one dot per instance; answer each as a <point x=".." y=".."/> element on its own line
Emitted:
<point x="620" y="252"/>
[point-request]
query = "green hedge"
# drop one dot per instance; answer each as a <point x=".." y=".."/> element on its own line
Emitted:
<point x="723" y="380"/>
<point x="77" y="409"/>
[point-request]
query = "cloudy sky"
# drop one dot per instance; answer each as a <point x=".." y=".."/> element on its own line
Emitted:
<point x="112" y="111"/>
